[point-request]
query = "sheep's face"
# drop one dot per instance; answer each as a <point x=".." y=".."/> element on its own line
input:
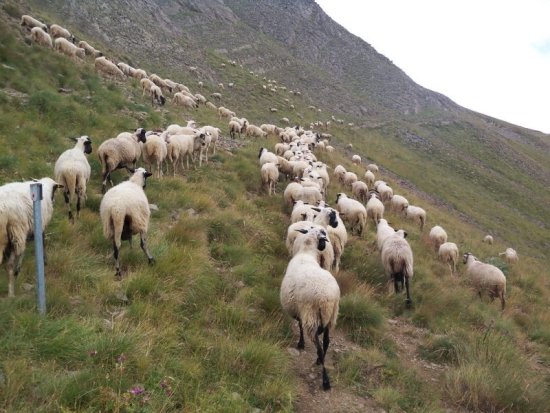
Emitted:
<point x="465" y="257"/>
<point x="140" y="133"/>
<point x="87" y="145"/>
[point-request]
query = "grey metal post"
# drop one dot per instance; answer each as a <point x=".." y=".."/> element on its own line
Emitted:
<point x="36" y="195"/>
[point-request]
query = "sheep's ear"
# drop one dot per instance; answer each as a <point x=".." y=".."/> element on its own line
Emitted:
<point x="316" y="209"/>
<point x="147" y="174"/>
<point x="405" y="234"/>
<point x="303" y="231"/>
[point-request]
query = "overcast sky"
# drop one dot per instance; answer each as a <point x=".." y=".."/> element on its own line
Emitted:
<point x="487" y="55"/>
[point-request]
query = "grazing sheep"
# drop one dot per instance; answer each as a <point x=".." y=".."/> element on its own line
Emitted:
<point x="139" y="74"/>
<point x="510" y="255"/>
<point x="353" y="212"/>
<point x="59" y="32"/>
<point x="255" y="131"/>
<point x="67" y="48"/>
<point x="488" y="239"/>
<point x="285" y="121"/>
<point x="383" y="231"/>
<point x="216" y="95"/>
<point x="448" y="253"/>
<point x="437" y="237"/>
<point x="375" y="208"/>
<point x="486" y="278"/>
<point x="154" y="152"/>
<point x="39" y="36"/>
<point x="416" y="214"/>
<point x="270" y="176"/>
<point x="360" y="191"/>
<point x="372" y="167"/>
<point x="17" y="222"/>
<point x="369" y="178"/>
<point x="156" y="95"/>
<point x="184" y="146"/>
<point x="234" y="127"/>
<point x="157" y="80"/>
<point x="89" y="50"/>
<point x="201" y="84"/>
<point x="349" y="179"/>
<point x="356" y="159"/>
<point x="210" y="105"/>
<point x="185" y="101"/>
<point x="397" y="258"/>
<point x="339" y="173"/>
<point x="385" y="191"/>
<point x="225" y="113"/>
<point x="310" y="294"/>
<point x="200" y="98"/>
<point x="30" y="23"/>
<point x="107" y="67"/>
<point x="73" y="171"/>
<point x="126" y="69"/>
<point x="329" y="148"/>
<point x="119" y="152"/>
<point x="399" y="203"/>
<point x="124" y="212"/>
<point x="265" y="156"/>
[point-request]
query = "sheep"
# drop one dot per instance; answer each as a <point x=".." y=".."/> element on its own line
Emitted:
<point x="126" y="68"/>
<point x="225" y="113"/>
<point x="89" y="50"/>
<point x="73" y="171"/>
<point x="302" y="212"/>
<point x="325" y="258"/>
<point x="214" y="134"/>
<point x="349" y="179"/>
<point x="17" y="222"/>
<point x="157" y="80"/>
<point x="352" y="212"/>
<point x="369" y="178"/>
<point x="216" y="95"/>
<point x="201" y="84"/>
<point x="294" y="192"/>
<point x="375" y="208"/>
<point x="356" y="159"/>
<point x="399" y="203"/>
<point x="330" y="219"/>
<point x="180" y="146"/>
<point x="372" y="167"/>
<point x="253" y="130"/>
<point x="270" y="176"/>
<point x="417" y="214"/>
<point x="107" y="67"/>
<point x="67" y="48"/>
<point x="448" y="253"/>
<point x="39" y="36"/>
<point x="437" y="237"/>
<point x="385" y="191"/>
<point x="182" y="100"/>
<point x="234" y="127"/>
<point x="156" y="95"/>
<point x="119" y="152"/>
<point x="265" y="156"/>
<point x="285" y="121"/>
<point x="154" y="152"/>
<point x="311" y="295"/>
<point x="339" y="173"/>
<point x="210" y="105"/>
<point x="383" y="231"/>
<point x="139" y="74"/>
<point x="59" y="32"/>
<point x="200" y="98"/>
<point x="360" y="191"/>
<point x="488" y="239"/>
<point x="30" y="22"/>
<point x="510" y="255"/>
<point x="486" y="278"/>
<point x="397" y="259"/>
<point x="124" y="211"/>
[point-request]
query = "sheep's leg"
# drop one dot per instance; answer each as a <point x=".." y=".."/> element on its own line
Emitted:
<point x="116" y="253"/>
<point x="395" y="284"/>
<point x="106" y="177"/>
<point x="11" y="275"/>
<point x="301" y="343"/>
<point x="321" y="359"/>
<point x="502" y="300"/>
<point x="409" y="300"/>
<point x="145" y="249"/>
<point x="326" y="340"/>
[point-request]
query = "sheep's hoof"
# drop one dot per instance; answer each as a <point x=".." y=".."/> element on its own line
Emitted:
<point x="409" y="303"/>
<point x="151" y="261"/>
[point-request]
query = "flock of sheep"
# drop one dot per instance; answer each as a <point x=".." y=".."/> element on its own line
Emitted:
<point x="316" y="236"/>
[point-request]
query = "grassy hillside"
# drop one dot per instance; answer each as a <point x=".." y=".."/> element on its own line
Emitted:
<point x="202" y="329"/>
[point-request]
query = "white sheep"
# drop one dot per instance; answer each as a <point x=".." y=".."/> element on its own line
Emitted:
<point x="356" y="159"/>
<point x="107" y="67"/>
<point x="270" y="176"/>
<point x="353" y="212"/>
<point x="119" y="152"/>
<point x="157" y="80"/>
<point x="295" y="192"/>
<point x="397" y="259"/>
<point x="184" y="146"/>
<point x="210" y="105"/>
<point x="330" y="219"/>
<point x="488" y="239"/>
<point x="73" y="171"/>
<point x="360" y="191"/>
<point x="486" y="278"/>
<point x="325" y="258"/>
<point x="448" y="254"/>
<point x="375" y="208"/>
<point x="124" y="212"/>
<point x="255" y="131"/>
<point x="339" y="173"/>
<point x="17" y="222"/>
<point x="139" y="74"/>
<point x="383" y="231"/>
<point x="311" y="294"/>
<point x="399" y="203"/>
<point x="59" y="32"/>
<point x="265" y="156"/>
<point x="214" y="134"/>
<point x="349" y="179"/>
<point x="223" y="112"/>
<point x="67" y="48"/>
<point x="126" y="69"/>
<point x="372" y="167"/>
<point x="89" y="50"/>
<point x="185" y="101"/>
<point x="39" y="36"/>
<point x="510" y="255"/>
<point x="385" y="191"/>
<point x="216" y="95"/>
<point x="437" y="237"/>
<point x="369" y="178"/>
<point x="30" y="22"/>
<point x="302" y="212"/>
<point x="416" y="214"/>
<point x="154" y="152"/>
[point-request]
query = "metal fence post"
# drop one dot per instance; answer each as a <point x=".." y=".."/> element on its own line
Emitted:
<point x="36" y="195"/>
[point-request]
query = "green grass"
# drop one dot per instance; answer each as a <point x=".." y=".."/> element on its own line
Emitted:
<point x="202" y="329"/>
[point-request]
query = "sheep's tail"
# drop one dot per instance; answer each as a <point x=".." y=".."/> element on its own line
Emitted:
<point x="103" y="161"/>
<point x="113" y="225"/>
<point x="319" y="317"/>
<point x="422" y="222"/>
<point x="69" y="180"/>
